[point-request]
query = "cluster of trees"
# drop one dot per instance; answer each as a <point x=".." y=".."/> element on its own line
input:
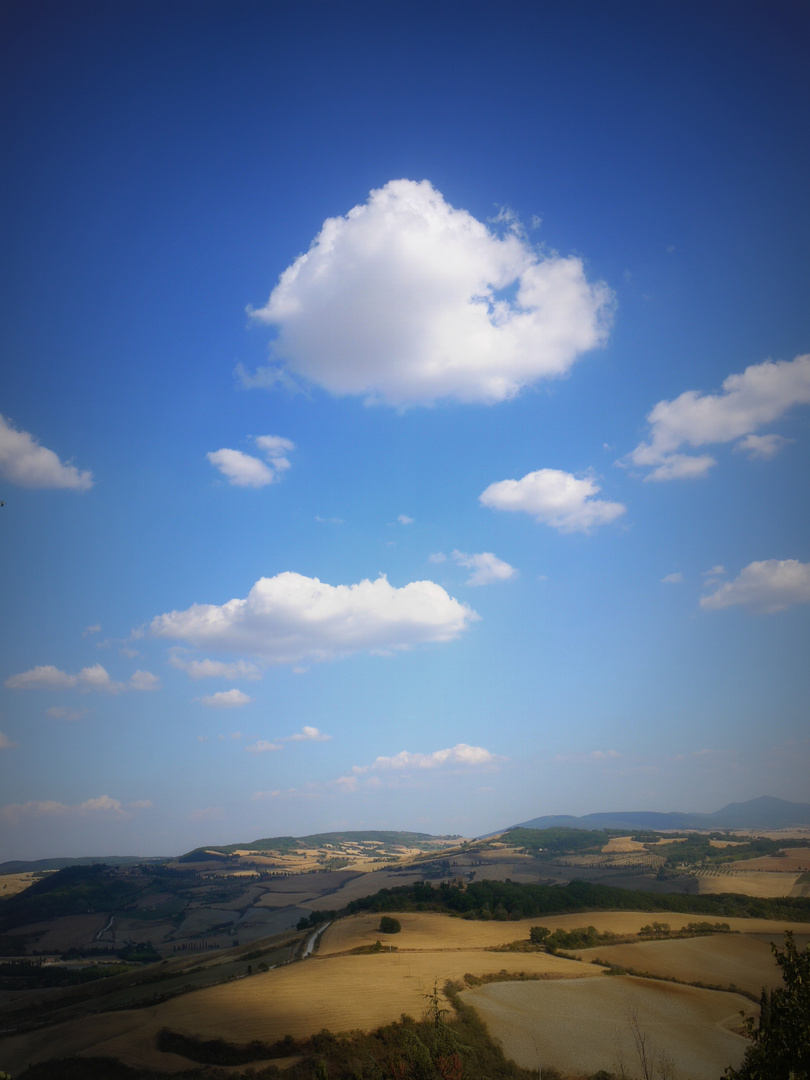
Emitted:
<point x="512" y="900"/>
<point x="780" y="1038"/>
<point x="581" y="937"/>
<point x="315" y="918"/>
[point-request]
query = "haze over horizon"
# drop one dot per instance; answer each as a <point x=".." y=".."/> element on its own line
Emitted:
<point x="405" y="417"/>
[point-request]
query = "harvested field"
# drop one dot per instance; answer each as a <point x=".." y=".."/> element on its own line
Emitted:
<point x="582" y="1026"/>
<point x="794" y="861"/>
<point x="623" y="843"/>
<point x="434" y="931"/>
<point x="750" y="883"/>
<point x="741" y="960"/>
<point x="11" y="884"/>
<point x="368" y="884"/>
<point x="338" y="992"/>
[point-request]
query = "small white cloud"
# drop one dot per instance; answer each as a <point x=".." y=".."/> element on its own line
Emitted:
<point x="672" y="579"/>
<point x="263" y="746"/>
<point x="309" y="734"/>
<point x="768" y="586"/>
<point x="554" y="498"/>
<point x="403" y="519"/>
<point x="437" y="557"/>
<point x="404" y="301"/>
<point x="329" y="521"/>
<point x="214" y="669"/>
<point x="761" y="394"/>
<point x="241" y="469"/>
<point x="94" y="629"/>
<point x="274" y="794"/>
<point x="290" y="618"/>
<point x="6" y="743"/>
<point x="761" y="446"/>
<point x="226" y="699"/>
<point x="486" y="567"/>
<point x="48" y="677"/>
<point x="25" y="463"/>
<point x="144" y="680"/>
<point x="459" y="755"/>
<point x="715" y="571"/>
<point x="64" y="712"/>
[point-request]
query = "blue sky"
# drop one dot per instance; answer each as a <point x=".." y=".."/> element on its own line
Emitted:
<point x="404" y="419"/>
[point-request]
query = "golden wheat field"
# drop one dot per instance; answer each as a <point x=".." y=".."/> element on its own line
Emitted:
<point x="622" y="843"/>
<point x="341" y="991"/>
<point x="742" y="960"/>
<point x="751" y="883"/>
<point x="584" y="1026"/>
<point x="338" y="992"/>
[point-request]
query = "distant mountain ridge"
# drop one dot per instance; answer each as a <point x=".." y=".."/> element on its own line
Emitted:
<point x="766" y="812"/>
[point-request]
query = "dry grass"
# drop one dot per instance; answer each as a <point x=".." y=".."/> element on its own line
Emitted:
<point x="622" y="843"/>
<point x="750" y="883"/>
<point x="580" y="1026"/>
<point x="11" y="884"/>
<point x="741" y="960"/>
<point x="794" y="861"/>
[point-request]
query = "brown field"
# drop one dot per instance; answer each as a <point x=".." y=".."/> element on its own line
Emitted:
<point x="742" y="960"/>
<point x="69" y="932"/>
<point x="582" y="1026"/>
<point x="751" y="883"/>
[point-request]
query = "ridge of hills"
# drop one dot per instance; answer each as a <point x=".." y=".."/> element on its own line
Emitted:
<point x="765" y="812"/>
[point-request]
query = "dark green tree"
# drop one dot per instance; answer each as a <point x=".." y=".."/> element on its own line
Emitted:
<point x="780" y="1039"/>
<point x="389" y="925"/>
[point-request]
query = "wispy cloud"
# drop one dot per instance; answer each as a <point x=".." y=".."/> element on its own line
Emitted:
<point x="23" y="461"/>
<point x="552" y="497"/>
<point x="6" y="743"/>
<point x="48" y="677"/>
<point x="65" y="712"/>
<point x="263" y="746"/>
<point x="403" y="301"/>
<point x="487" y="569"/>
<point x="309" y="734"/>
<point x="461" y="755"/>
<point x="226" y="699"/>
<point x="14" y="812"/>
<point x="290" y="618"/>
<point x="214" y="669"/>
<point x="672" y="579"/>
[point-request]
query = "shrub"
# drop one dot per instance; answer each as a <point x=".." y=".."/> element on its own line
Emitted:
<point x="389" y="925"/>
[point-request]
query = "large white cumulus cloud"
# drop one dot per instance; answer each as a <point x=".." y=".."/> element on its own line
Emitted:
<point x="290" y="618"/>
<point x="403" y="301"/>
